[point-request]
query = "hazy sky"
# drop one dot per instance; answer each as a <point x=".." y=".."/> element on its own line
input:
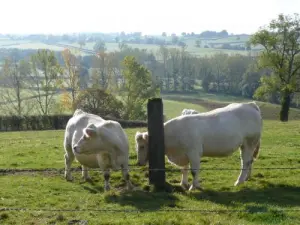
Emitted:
<point x="148" y="17"/>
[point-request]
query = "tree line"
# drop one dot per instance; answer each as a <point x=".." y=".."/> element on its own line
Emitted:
<point x="129" y="76"/>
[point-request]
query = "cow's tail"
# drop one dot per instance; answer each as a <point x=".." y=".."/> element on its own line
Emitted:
<point x="256" y="150"/>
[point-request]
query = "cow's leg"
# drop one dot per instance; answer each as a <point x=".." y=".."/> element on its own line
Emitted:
<point x="126" y="176"/>
<point x="194" y="159"/>
<point x="85" y="173"/>
<point x="249" y="170"/>
<point x="106" y="179"/>
<point x="246" y="164"/>
<point x="184" y="179"/>
<point x="255" y="153"/>
<point x="69" y="158"/>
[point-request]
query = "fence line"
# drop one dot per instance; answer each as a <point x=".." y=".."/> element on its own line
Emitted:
<point x="226" y="211"/>
<point x="16" y="170"/>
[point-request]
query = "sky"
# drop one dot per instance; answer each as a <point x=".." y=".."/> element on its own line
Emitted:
<point x="148" y="17"/>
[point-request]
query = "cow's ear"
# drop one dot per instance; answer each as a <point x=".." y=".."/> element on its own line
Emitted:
<point x="138" y="135"/>
<point x="91" y="125"/>
<point x="90" y="131"/>
<point x="145" y="136"/>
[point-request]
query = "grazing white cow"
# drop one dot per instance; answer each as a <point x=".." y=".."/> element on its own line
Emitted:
<point x="189" y="112"/>
<point x="96" y="143"/>
<point x="217" y="133"/>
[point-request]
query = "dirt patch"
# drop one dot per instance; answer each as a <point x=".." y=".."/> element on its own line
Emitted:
<point x="49" y="171"/>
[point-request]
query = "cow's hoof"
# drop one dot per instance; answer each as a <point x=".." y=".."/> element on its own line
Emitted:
<point x="130" y="187"/>
<point x="87" y="179"/>
<point x="195" y="187"/>
<point x="185" y="186"/>
<point x="107" y="188"/>
<point x="237" y="183"/>
<point x="69" y="178"/>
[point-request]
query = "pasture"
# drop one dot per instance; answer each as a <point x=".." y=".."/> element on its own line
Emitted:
<point x="113" y="46"/>
<point x="271" y="196"/>
<point x="200" y="52"/>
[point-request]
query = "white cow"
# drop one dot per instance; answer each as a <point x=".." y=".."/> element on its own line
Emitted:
<point x="96" y="143"/>
<point x="189" y="112"/>
<point x="217" y="133"/>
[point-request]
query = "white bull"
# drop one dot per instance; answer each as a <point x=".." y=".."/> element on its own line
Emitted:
<point x="189" y="112"/>
<point x="96" y="143"/>
<point x="217" y="133"/>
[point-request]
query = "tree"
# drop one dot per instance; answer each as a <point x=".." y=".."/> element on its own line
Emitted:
<point x="81" y="43"/>
<point x="13" y="79"/>
<point x="138" y="88"/>
<point x="72" y="78"/>
<point x="100" y="102"/>
<point x="198" y="43"/>
<point x="220" y="70"/>
<point x="163" y="52"/>
<point x="206" y="73"/>
<point x="281" y="53"/>
<point x="44" y="78"/>
<point x="250" y="81"/>
<point x="100" y="46"/>
<point x="237" y="65"/>
<point x="103" y="72"/>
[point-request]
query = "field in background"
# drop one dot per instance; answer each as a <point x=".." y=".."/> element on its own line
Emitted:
<point x="113" y="46"/>
<point x="175" y="103"/>
<point x="212" y="101"/>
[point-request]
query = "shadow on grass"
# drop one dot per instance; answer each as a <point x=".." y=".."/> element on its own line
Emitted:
<point x="258" y="199"/>
<point x="146" y="199"/>
<point x="282" y="195"/>
<point x="92" y="186"/>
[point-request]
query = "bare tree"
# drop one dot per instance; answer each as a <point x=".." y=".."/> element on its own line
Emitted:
<point x="104" y="72"/>
<point x="13" y="76"/>
<point x="72" y="76"/>
<point x="44" y="78"/>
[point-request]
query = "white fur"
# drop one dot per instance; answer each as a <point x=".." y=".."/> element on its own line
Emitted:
<point x="189" y="112"/>
<point x="217" y="133"/>
<point x="95" y="143"/>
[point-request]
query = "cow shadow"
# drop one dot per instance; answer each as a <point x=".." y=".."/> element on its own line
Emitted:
<point x="282" y="195"/>
<point x="255" y="199"/>
<point x="145" y="198"/>
<point x="142" y="197"/>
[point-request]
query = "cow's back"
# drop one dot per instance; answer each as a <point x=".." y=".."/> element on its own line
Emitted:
<point x="220" y="128"/>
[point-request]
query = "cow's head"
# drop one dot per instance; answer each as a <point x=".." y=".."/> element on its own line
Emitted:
<point x="141" y="147"/>
<point x="89" y="142"/>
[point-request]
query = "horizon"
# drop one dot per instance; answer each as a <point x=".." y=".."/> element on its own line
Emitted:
<point x="65" y="17"/>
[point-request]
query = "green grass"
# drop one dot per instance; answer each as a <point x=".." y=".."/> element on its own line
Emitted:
<point x="267" y="190"/>
<point x="212" y="101"/>
<point x="174" y="108"/>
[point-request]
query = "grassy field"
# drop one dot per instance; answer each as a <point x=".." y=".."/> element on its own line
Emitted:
<point x="212" y="101"/>
<point x="154" y="48"/>
<point x="267" y="191"/>
<point x="112" y="46"/>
